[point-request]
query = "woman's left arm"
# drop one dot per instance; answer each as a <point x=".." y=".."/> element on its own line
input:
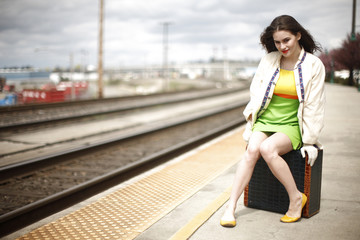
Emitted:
<point x="314" y="104"/>
<point x="313" y="114"/>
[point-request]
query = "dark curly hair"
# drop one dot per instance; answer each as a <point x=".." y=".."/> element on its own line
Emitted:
<point x="288" y="23"/>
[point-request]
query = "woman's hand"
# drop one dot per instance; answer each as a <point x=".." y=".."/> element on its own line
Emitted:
<point x="311" y="151"/>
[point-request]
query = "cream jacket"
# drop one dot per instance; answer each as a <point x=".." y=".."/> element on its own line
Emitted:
<point x="309" y="80"/>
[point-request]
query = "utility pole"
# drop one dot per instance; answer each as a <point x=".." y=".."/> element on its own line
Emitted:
<point x="71" y="76"/>
<point x="100" y="53"/>
<point x="165" y="55"/>
<point x="353" y="34"/>
<point x="353" y="37"/>
<point x="225" y="64"/>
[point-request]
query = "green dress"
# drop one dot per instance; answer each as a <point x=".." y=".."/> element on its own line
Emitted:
<point x="281" y="114"/>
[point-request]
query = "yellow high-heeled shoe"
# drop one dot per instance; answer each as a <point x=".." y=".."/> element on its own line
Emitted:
<point x="287" y="219"/>
<point x="228" y="223"/>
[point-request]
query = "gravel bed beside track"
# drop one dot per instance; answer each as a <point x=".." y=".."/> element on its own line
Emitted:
<point x="76" y="170"/>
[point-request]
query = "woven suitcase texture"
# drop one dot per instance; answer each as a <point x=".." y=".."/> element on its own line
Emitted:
<point x="267" y="193"/>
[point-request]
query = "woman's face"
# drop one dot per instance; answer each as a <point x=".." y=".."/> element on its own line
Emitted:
<point x="287" y="43"/>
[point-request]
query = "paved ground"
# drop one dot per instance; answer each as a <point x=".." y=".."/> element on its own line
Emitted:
<point x="339" y="216"/>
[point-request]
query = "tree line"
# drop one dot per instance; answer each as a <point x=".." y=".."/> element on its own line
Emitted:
<point x="346" y="57"/>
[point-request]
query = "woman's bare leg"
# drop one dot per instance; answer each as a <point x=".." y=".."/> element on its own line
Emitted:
<point x="271" y="150"/>
<point x="243" y="173"/>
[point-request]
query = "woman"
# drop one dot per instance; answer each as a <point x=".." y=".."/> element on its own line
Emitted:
<point x="285" y="111"/>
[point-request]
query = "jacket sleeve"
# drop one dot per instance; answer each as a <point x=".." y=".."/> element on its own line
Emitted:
<point x="254" y="89"/>
<point x="314" y="104"/>
<point x="254" y="98"/>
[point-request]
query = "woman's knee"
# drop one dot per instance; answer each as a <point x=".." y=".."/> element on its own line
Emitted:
<point x="268" y="151"/>
<point x="253" y="149"/>
<point x="252" y="153"/>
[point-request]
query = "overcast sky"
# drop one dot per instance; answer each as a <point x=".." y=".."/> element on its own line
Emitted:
<point x="43" y="33"/>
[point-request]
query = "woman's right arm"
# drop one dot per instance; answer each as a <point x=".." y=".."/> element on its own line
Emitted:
<point x="254" y="90"/>
<point x="254" y="98"/>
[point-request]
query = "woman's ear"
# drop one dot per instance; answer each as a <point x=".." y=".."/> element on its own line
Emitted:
<point x="298" y="36"/>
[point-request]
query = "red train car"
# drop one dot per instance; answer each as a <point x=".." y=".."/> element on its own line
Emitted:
<point x="49" y="94"/>
<point x="42" y="96"/>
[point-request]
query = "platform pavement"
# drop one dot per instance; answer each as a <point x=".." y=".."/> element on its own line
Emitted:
<point x="339" y="216"/>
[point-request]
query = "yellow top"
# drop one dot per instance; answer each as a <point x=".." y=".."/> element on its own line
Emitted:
<point x="285" y="86"/>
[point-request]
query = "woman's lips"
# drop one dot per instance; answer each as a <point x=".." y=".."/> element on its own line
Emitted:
<point x="285" y="51"/>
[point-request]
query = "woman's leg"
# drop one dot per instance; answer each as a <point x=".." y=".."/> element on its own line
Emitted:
<point x="271" y="150"/>
<point x="243" y="173"/>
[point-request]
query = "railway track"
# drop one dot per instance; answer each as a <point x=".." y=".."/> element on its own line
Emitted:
<point x="14" y="117"/>
<point x="39" y="187"/>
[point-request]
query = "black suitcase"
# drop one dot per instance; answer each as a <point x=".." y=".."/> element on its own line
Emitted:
<point x="265" y="192"/>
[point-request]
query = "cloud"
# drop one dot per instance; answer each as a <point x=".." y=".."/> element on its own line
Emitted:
<point x="44" y="33"/>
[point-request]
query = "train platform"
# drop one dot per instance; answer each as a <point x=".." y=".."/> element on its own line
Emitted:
<point x="185" y="198"/>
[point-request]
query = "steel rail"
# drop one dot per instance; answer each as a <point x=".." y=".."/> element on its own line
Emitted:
<point x="35" y="106"/>
<point x="141" y="105"/>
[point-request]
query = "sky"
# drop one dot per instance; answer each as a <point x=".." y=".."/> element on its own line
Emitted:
<point x="45" y="34"/>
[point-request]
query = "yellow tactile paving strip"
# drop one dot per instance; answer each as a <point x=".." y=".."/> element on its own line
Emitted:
<point x="127" y="212"/>
<point x="197" y="221"/>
